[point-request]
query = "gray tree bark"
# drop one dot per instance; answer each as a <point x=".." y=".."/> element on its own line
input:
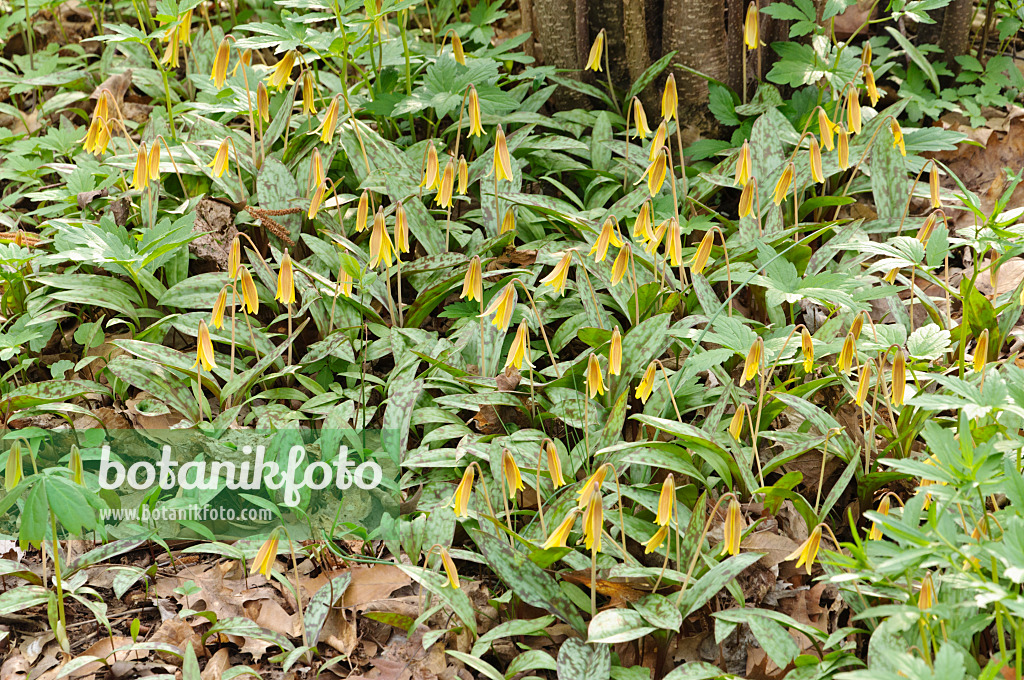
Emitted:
<point x="555" y="21"/>
<point x="956" y="30"/>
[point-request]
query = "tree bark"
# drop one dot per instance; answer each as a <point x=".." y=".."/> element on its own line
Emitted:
<point x="555" y="21"/>
<point x="695" y="29"/>
<point x="956" y="29"/>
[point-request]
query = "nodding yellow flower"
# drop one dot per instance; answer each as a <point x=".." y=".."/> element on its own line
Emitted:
<point x="519" y="352"/>
<point x="853" y="110"/>
<point x="263" y="102"/>
<point x="933" y="188"/>
<point x="981" y="352"/>
<point x="316" y="200"/>
<point x="700" y="258"/>
<point x="220" y="63"/>
<point x="220" y="159"/>
<point x="863" y="383"/>
<point x="472" y="284"/>
<point x="560" y="534"/>
<point x="926" y="597"/>
<point x="244" y="60"/>
<point x="554" y="464"/>
<point x="843" y="146"/>
<point x="857" y="326"/>
<point x="782" y="185"/>
<point x="345" y="283"/>
<point x="607" y="236"/>
<point x="640" y="119"/>
<point x="154" y="162"/>
<point x="666" y="501"/>
<point x="621" y="264"/>
<point x="733" y="529"/>
<point x="308" y="94"/>
<point x="285" y="281"/>
<point x="659" y="141"/>
<point x="743" y="165"/>
<point x="77" y="468"/>
<point x="656" y="172"/>
<point x="593" y="483"/>
<point x="171" y="53"/>
<point x="510" y="471"/>
<point x="815" y="153"/>
<point x="826" y="130"/>
<point x="593" y="521"/>
<point x="897" y="136"/>
<point x="669" y="98"/>
<point x="846" y="354"/>
<point x="140" y="177"/>
<point x="102" y="110"/>
<point x="362" y="210"/>
<point x="316" y="167"/>
<point x="865" y="55"/>
<point x="330" y="122"/>
<point x="747" y="198"/>
<point x="899" y="378"/>
<point x="463" y="175"/>
<point x="508" y="222"/>
<point x="401" y="229"/>
<point x="265" y="558"/>
<point x="279" y="77"/>
<point x="450" y="570"/>
<point x="204" y="348"/>
<point x="185" y="28"/>
<point x="502" y="306"/>
<point x="596" y="50"/>
<point x="461" y="499"/>
<point x="430" y="167"/>
<point x="883" y="509"/>
<point x="869" y="82"/>
<point x="217" y="320"/>
<point x="655" y="541"/>
<point x="502" y="160"/>
<point x="90" y="137"/>
<point x="642" y="226"/>
<point x="615" y="353"/>
<point x="381" y="248"/>
<point x="249" y="295"/>
<point x="98" y="137"/>
<point x="808" y="551"/>
<point x="807" y="347"/>
<point x="646" y="386"/>
<point x="13" y="471"/>
<point x="752" y="366"/>
<point x="595" y="381"/>
<point x="750" y="37"/>
<point x="447" y="185"/>
<point x="736" y="423"/>
<point x="457" y="51"/>
<point x="891" y="276"/>
<point x="560" y="274"/>
<point x="476" y="128"/>
<point x="656" y="237"/>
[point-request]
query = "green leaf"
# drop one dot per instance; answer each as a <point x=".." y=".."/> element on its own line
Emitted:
<point x="579" y="661"/>
<point x="648" y="76"/>
<point x="709" y="585"/>
<point x="455" y="598"/>
<point x="278" y="190"/>
<point x="617" y="625"/>
<point x="320" y="606"/>
<point x="916" y="56"/>
<point x="660" y="611"/>
<point x="513" y="628"/>
<point x="34" y="394"/>
<point x="928" y="342"/>
<point x="485" y="669"/>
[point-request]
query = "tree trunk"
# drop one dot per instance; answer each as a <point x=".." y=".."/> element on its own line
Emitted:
<point x="555" y="21"/>
<point x="956" y="29"/>
<point x="695" y="29"/>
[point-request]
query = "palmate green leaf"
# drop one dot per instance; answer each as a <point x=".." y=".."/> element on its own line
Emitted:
<point x="280" y="37"/>
<point x="617" y="625"/>
<point x="580" y="661"/>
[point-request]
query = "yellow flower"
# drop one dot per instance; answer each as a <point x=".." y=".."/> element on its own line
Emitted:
<point x="508" y="222"/>
<point x="510" y="471"/>
<point x="607" y="236"/>
<point x="807" y="346"/>
<point x="899" y="378"/>
<point x="316" y="167"/>
<point x="285" y="281"/>
<point x="857" y="326"/>
<point x="666" y="501"/>
<point x="457" y="51"/>
<point x="449" y="569"/>
<point x="808" y="551"/>
<point x="655" y="541"/>
<point x="736" y="423"/>
<point x="659" y="141"/>
<point x="502" y="160"/>
<point x="279" y="78"/>
<point x="595" y="381"/>
<point x="249" y="295"/>
<point x="102" y="110"/>
<point x="826" y="130"/>
<point x="646" y="386"/>
<point x="234" y="258"/>
<point x="263" y="102"/>
<point x="330" y="122"/>
<point x="171" y="53"/>
<point x="316" y="199"/>
<point x="560" y="535"/>
<point x="700" y="258"/>
<point x="926" y="597"/>
<point x="244" y="60"/>
<point x="461" y="499"/>
<point x="593" y="521"/>
<point x="381" y="249"/>
<point x="204" y="348"/>
<point x="863" y="383"/>
<point x="140" y="177"/>
<point x="185" y="28"/>
<point x="656" y="172"/>
<point x="77" y="468"/>
<point x="750" y="38"/>
<point x="621" y="264"/>
<point x="430" y="168"/>
<point x="615" y="353"/>
<point x="401" y="229"/>
<point x="13" y="472"/>
<point x="463" y="175"/>
<point x="981" y="352"/>
<point x="845" y="360"/>
<point x="596" y="50"/>
<point x="558" y="276"/>
<point x="554" y="464"/>
<point x="265" y="558"/>
<point x="447" y="185"/>
<point x="865" y="55"/>
<point x="674" y="243"/>
<point x="218" y="308"/>
<point x="815" y="153"/>
<point x="733" y="529"/>
<point x="782" y="186"/>
<point x="883" y="509"/>
<point x="220" y="63"/>
<point x="472" y="284"/>
<point x="897" y="136"/>
<point x="869" y="82"/>
<point x="640" y="119"/>
<point x="502" y="307"/>
<point x="519" y="353"/>
<point x="669" y="98"/>
<point x="752" y="366"/>
<point x="642" y="226"/>
<point x="853" y="110"/>
<point x="592" y="484"/>
<point x="933" y="187"/>
<point x="843" y="146"/>
<point x="102" y="139"/>
<point x="476" y="128"/>
<point x="747" y="198"/>
<point x="154" y="161"/>
<point x="345" y="283"/>
<point x="220" y="159"/>
<point x="362" y="211"/>
<point x="743" y="165"/>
